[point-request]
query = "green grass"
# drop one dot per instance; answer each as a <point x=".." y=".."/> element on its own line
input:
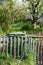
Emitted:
<point x="12" y="61"/>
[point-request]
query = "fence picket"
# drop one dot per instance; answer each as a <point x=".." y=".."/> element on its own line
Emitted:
<point x="11" y="46"/>
<point x="26" y="45"/>
<point x="18" y="46"/>
<point x="41" y="53"/>
<point x="7" y="46"/>
<point x="15" y="47"/>
<point x="23" y="41"/>
<point x="0" y="44"/>
<point x="21" y="47"/>
<point x="3" y="44"/>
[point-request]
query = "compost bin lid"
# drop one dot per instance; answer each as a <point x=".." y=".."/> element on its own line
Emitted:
<point x="15" y="33"/>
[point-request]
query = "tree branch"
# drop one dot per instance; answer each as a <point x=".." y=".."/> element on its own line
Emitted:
<point x="40" y="16"/>
<point x="37" y="4"/>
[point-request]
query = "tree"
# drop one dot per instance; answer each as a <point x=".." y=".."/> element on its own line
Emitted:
<point x="6" y="14"/>
<point x="4" y="18"/>
<point x="36" y="8"/>
<point x="9" y="12"/>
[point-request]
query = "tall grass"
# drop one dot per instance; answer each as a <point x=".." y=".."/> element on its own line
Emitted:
<point x="30" y="60"/>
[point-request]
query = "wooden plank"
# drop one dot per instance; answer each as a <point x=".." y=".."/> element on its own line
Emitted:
<point x="26" y="49"/>
<point x="21" y="47"/>
<point x="29" y="44"/>
<point x="36" y="52"/>
<point x="11" y="45"/>
<point x="7" y="47"/>
<point x="0" y="45"/>
<point x="18" y="46"/>
<point x="41" y="52"/>
<point x="3" y="45"/>
<point x="15" y="47"/>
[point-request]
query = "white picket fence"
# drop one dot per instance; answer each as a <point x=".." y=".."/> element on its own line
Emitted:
<point x="20" y="45"/>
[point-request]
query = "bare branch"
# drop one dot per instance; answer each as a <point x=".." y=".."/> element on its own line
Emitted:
<point x="41" y="15"/>
<point x="37" y="4"/>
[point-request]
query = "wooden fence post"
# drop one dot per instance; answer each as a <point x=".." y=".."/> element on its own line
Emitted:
<point x="26" y="46"/>
<point x="11" y="45"/>
<point x="18" y="46"/>
<point x="3" y="45"/>
<point x="15" y="47"/>
<point x="0" y="46"/>
<point x="21" y="47"/>
<point x="36" y="51"/>
<point x="30" y="43"/>
<point x="7" y="47"/>
<point x="41" y="51"/>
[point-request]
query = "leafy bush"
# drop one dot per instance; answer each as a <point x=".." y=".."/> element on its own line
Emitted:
<point x="37" y="30"/>
<point x="27" y="26"/>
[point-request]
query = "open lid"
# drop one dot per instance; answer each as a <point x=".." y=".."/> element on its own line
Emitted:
<point x="15" y="34"/>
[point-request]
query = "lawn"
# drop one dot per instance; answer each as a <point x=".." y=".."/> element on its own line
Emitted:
<point x="30" y="60"/>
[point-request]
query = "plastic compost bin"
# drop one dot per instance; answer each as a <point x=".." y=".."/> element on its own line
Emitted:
<point x="16" y="34"/>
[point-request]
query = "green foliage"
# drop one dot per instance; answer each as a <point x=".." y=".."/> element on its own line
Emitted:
<point x="10" y="12"/>
<point x="37" y="30"/>
<point x="1" y="32"/>
<point x="4" y="19"/>
<point x="11" y="61"/>
<point x="27" y="26"/>
<point x="30" y="60"/>
<point x="24" y="26"/>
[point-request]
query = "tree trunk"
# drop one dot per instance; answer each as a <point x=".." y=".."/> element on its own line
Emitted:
<point x="35" y="25"/>
<point x="34" y="16"/>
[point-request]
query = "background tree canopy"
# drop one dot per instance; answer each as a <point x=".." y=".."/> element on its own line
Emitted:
<point x="10" y="11"/>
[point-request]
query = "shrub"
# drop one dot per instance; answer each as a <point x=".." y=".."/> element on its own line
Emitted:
<point x="27" y="26"/>
<point x="37" y="30"/>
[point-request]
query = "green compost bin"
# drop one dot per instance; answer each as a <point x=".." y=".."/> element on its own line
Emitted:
<point x="16" y="34"/>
